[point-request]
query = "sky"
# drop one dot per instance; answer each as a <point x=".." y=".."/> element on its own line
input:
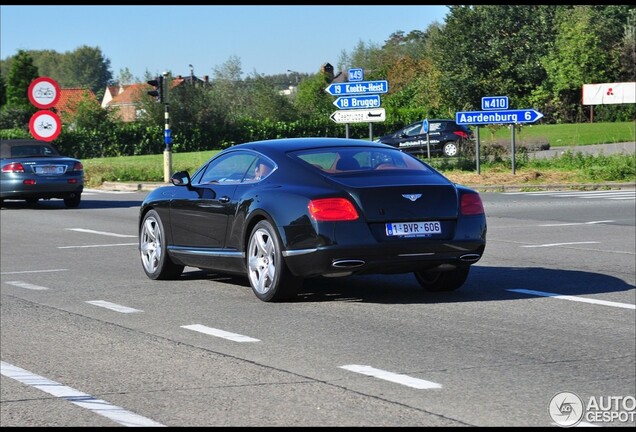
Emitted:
<point x="267" y="40"/>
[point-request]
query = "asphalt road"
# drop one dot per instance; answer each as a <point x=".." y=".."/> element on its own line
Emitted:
<point x="86" y="339"/>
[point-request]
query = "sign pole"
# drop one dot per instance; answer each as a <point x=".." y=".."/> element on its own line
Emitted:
<point x="512" y="143"/>
<point x="477" y="148"/>
<point x="167" y="153"/>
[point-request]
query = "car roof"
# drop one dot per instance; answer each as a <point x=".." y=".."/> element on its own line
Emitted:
<point x="284" y="145"/>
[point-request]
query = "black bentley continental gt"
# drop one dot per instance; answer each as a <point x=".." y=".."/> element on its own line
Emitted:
<point x="284" y="210"/>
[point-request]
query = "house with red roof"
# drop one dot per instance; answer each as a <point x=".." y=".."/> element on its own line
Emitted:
<point x="70" y="98"/>
<point x="125" y="98"/>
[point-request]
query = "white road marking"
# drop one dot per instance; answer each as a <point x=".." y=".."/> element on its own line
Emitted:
<point x="100" y="232"/>
<point x="84" y="400"/>
<point x="574" y="298"/>
<point x="100" y="245"/>
<point x="113" y="306"/>
<point x="33" y="271"/>
<point x="559" y="244"/>
<point x="26" y="285"/>
<point x="220" y="333"/>
<point x="393" y="377"/>
<point x="100" y="191"/>
<point x="577" y="223"/>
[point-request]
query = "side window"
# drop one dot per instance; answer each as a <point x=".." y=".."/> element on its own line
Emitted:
<point x="230" y="168"/>
<point x="414" y="130"/>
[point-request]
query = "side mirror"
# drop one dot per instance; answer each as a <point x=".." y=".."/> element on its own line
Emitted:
<point x="180" y="178"/>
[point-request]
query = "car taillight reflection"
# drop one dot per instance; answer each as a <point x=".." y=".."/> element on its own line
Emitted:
<point x="471" y="204"/>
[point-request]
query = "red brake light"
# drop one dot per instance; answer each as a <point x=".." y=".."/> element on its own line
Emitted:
<point x="332" y="209"/>
<point x="78" y="167"/>
<point x="13" y="167"/>
<point x="461" y="134"/>
<point x="471" y="204"/>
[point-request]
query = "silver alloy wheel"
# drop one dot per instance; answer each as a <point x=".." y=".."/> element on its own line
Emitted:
<point x="450" y="149"/>
<point x="262" y="262"/>
<point x="150" y="244"/>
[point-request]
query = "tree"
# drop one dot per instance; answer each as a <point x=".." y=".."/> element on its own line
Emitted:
<point x="492" y="50"/>
<point x="125" y="77"/>
<point x="3" y="92"/>
<point x="22" y="73"/>
<point x="312" y="101"/>
<point x="86" y="67"/>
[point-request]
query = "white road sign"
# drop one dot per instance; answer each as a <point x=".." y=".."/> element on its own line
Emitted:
<point x="359" y="115"/>
<point x="44" y="92"/>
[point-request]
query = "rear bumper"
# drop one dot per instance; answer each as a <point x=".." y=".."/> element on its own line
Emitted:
<point x="59" y="188"/>
<point x="383" y="259"/>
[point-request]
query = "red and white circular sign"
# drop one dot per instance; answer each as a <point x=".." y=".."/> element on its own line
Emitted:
<point x="45" y="125"/>
<point x="44" y="92"/>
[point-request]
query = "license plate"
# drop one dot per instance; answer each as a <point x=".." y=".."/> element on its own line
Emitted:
<point x="413" y="229"/>
<point x="49" y="169"/>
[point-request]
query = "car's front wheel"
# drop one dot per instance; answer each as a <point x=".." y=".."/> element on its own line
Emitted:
<point x="437" y="281"/>
<point x="152" y="245"/>
<point x="269" y="277"/>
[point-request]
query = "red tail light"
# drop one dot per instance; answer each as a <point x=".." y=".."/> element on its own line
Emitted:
<point x="78" y="167"/>
<point x="471" y="204"/>
<point x="461" y="134"/>
<point x="13" y="167"/>
<point x="332" y="209"/>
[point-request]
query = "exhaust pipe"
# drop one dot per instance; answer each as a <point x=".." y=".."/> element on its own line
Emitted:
<point x="470" y="258"/>
<point x="348" y="264"/>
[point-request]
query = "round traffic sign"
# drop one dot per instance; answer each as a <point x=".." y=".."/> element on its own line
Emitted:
<point x="44" y="92"/>
<point x="45" y="125"/>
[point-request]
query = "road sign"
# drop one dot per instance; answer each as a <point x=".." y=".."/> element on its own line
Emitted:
<point x="44" y="92"/>
<point x="356" y="74"/>
<point x="357" y="88"/>
<point x="353" y="102"/>
<point x="45" y="125"/>
<point x="494" y="102"/>
<point x="497" y="117"/>
<point x="359" y="116"/>
<point x="425" y="126"/>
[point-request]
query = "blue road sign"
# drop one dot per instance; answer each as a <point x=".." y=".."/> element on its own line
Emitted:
<point x="425" y="126"/>
<point x="494" y="102"/>
<point x="354" y="102"/>
<point x="357" y="88"/>
<point x="356" y="74"/>
<point x="497" y="117"/>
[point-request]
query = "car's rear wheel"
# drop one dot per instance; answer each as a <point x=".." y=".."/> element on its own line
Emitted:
<point x="438" y="281"/>
<point x="73" y="201"/>
<point x="451" y="149"/>
<point x="152" y="245"/>
<point x="269" y="276"/>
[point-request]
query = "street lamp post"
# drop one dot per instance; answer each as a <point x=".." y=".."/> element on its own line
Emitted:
<point x="291" y="71"/>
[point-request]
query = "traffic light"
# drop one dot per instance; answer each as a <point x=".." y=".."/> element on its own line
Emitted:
<point x="157" y="83"/>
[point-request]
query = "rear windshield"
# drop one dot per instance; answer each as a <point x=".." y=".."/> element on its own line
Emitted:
<point x="27" y="150"/>
<point x="335" y="160"/>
